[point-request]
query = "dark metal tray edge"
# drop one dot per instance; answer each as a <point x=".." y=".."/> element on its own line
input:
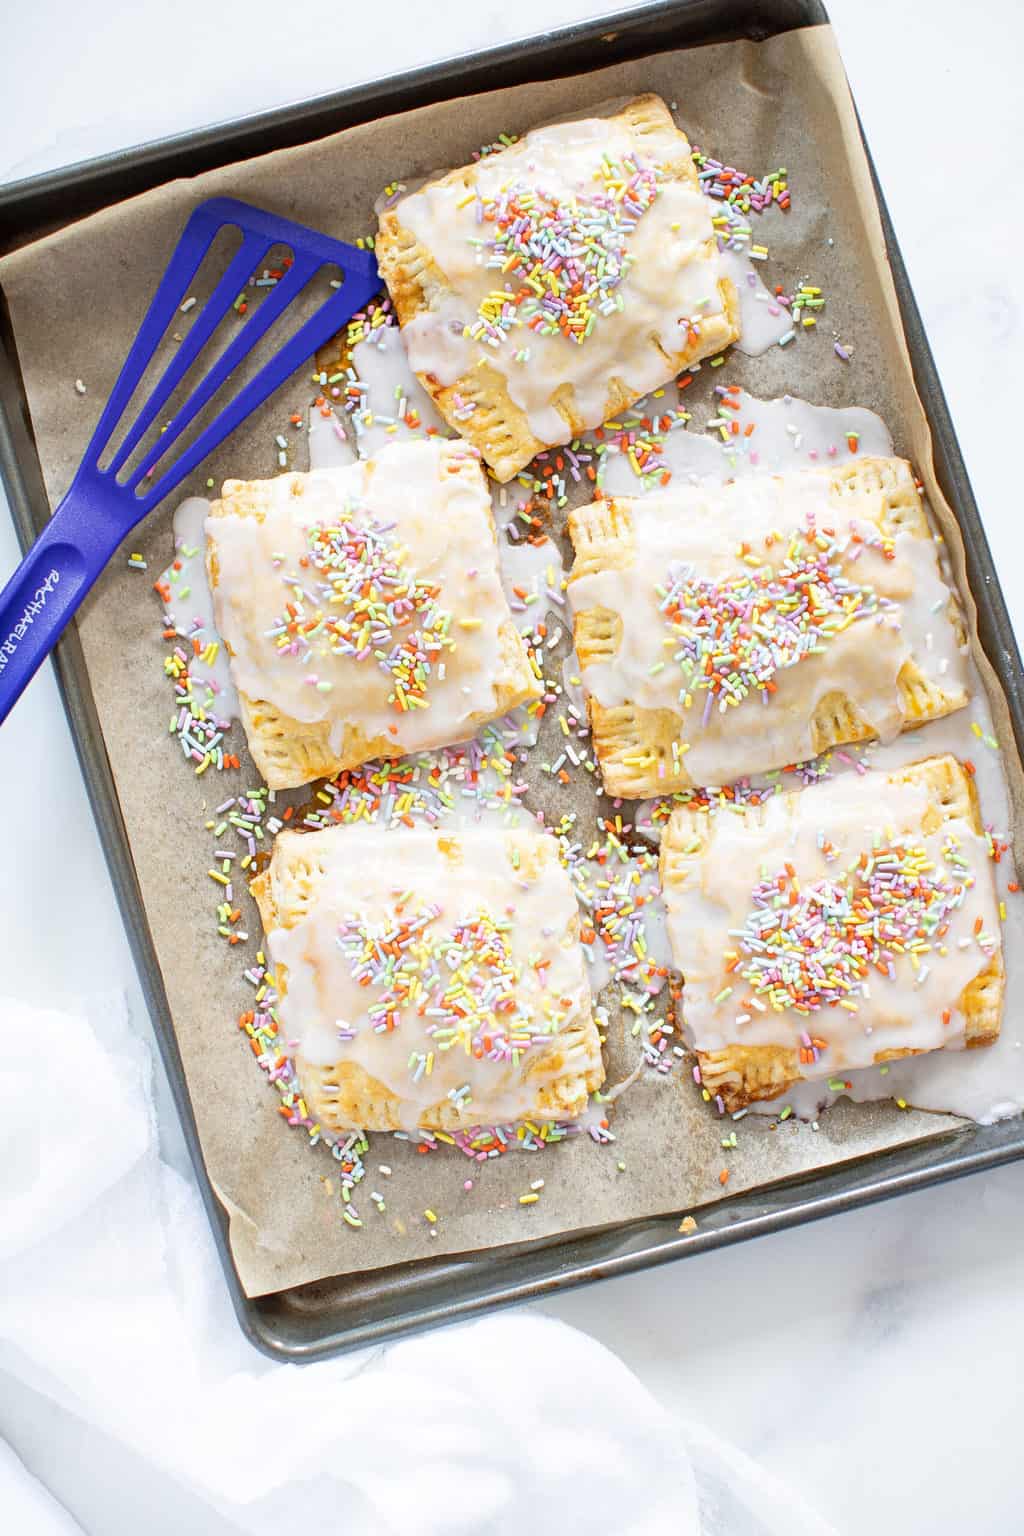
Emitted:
<point x="445" y="1290"/>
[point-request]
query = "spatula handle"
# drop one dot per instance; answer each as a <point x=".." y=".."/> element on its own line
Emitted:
<point x="46" y="589"/>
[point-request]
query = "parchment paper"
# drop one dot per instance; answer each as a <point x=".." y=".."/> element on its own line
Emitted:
<point x="76" y="299"/>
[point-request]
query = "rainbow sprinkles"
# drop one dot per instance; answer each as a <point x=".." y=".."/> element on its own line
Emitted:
<point x="365" y="645"/>
<point x="364" y="605"/>
<point x="567" y="257"/>
<point x="735" y="635"/>
<point x="430" y="979"/>
<point x="869" y="932"/>
<point x="389" y="640"/>
<point x="814" y="945"/>
<point x="612" y="280"/>
<point x="464" y="983"/>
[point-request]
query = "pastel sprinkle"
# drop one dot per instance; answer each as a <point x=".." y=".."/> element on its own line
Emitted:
<point x="563" y="260"/>
<point x="813" y="945"/>
<point x="734" y="635"/>
<point x="358" y="601"/>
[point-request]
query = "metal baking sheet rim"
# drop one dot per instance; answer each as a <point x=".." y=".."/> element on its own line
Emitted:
<point x="422" y="1294"/>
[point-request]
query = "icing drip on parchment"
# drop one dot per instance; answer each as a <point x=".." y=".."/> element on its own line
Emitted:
<point x="787" y="433"/>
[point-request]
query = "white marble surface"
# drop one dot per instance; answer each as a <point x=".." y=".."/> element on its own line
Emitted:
<point x="876" y="1360"/>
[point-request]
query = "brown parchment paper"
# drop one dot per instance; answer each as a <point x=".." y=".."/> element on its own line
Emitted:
<point x="76" y="299"/>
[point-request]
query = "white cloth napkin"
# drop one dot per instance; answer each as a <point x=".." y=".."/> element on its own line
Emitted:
<point x="27" y="1507"/>
<point x="113" y="1305"/>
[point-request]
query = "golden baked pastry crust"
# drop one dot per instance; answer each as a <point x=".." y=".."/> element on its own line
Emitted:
<point x="638" y="749"/>
<point x="288" y="752"/>
<point x="496" y="425"/>
<point x="345" y="1096"/>
<point x="743" y="1074"/>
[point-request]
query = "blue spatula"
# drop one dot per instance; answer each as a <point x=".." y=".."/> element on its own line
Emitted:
<point x="97" y="511"/>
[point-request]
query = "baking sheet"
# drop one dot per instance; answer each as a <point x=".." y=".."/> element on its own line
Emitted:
<point x="748" y="103"/>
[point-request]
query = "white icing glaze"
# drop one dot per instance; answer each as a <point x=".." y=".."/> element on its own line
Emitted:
<point x="629" y="941"/>
<point x="572" y="684"/>
<point x="790" y="433"/>
<point x="323" y="997"/>
<point x="329" y="447"/>
<point x="381" y="365"/>
<point x="194" y="615"/>
<point x="188" y="522"/>
<point x="409" y="487"/>
<point x="655" y="926"/>
<point x="505" y="503"/>
<point x="533" y="579"/>
<point x="394" y="403"/>
<point x="672" y="281"/>
<point x="787" y="433"/>
<point x="703" y="528"/>
<point x="763" y="320"/>
<point x="393" y="406"/>
<point x="985" y="1084"/>
<point x="901" y="1011"/>
<point x="532" y="576"/>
